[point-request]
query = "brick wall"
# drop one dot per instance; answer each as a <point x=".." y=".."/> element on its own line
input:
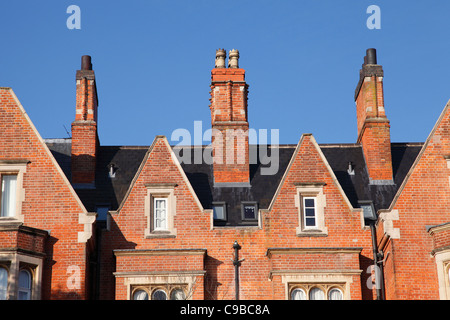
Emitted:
<point x="373" y="125"/>
<point x="193" y="230"/>
<point x="49" y="202"/>
<point x="230" y="125"/>
<point x="423" y="202"/>
<point x="84" y="128"/>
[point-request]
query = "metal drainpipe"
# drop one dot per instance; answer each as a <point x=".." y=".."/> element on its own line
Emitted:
<point x="379" y="279"/>
<point x="236" y="263"/>
<point x="380" y="254"/>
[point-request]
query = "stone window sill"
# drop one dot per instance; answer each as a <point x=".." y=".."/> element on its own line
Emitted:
<point x="160" y="234"/>
<point x="311" y="233"/>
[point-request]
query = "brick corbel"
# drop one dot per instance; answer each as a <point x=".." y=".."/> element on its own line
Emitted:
<point x="87" y="220"/>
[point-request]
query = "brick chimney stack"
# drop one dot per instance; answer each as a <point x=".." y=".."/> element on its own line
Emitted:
<point x="373" y="125"/>
<point x="229" y="121"/>
<point x="84" y="128"/>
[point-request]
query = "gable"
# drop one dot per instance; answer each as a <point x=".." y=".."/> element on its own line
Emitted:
<point x="159" y="165"/>
<point x="47" y="189"/>
<point x="309" y="165"/>
<point x="433" y="155"/>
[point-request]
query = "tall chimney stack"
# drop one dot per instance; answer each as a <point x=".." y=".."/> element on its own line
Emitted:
<point x="84" y="128"/>
<point x="373" y="125"/>
<point x="229" y="121"/>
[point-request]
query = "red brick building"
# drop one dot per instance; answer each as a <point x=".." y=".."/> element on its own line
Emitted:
<point x="308" y="221"/>
<point x="45" y="229"/>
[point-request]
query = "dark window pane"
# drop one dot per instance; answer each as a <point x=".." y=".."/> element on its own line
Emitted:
<point x="159" y="295"/>
<point x="309" y="212"/>
<point x="310" y="222"/>
<point x="249" y="212"/>
<point x="102" y="213"/>
<point x="309" y="203"/>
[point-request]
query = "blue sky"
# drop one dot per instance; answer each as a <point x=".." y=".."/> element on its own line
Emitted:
<point x="153" y="60"/>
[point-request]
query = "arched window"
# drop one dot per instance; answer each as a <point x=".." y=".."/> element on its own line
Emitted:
<point x="177" y="294"/>
<point x="159" y="295"/>
<point x="3" y="283"/>
<point x="335" y="294"/>
<point x="140" y="295"/>
<point x="316" y="294"/>
<point x="298" y="294"/>
<point x="24" y="285"/>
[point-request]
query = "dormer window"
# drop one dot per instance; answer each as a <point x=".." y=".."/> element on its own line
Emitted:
<point x="249" y="211"/>
<point x="219" y="211"/>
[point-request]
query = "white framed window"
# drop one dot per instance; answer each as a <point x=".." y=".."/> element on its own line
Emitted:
<point x="8" y="195"/>
<point x="25" y="280"/>
<point x="3" y="283"/>
<point x="309" y="212"/>
<point x="311" y="203"/>
<point x="160" y="207"/>
<point x="12" y="193"/>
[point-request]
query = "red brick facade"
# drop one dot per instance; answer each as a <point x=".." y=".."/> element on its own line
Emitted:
<point x="410" y="232"/>
<point x="47" y="204"/>
<point x="310" y="236"/>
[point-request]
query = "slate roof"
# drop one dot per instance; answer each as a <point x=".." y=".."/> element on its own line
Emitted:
<point x="127" y="159"/>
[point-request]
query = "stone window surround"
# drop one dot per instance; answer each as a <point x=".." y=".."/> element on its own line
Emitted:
<point x="312" y="189"/>
<point x="14" y="262"/>
<point x="150" y="281"/>
<point x="323" y="279"/>
<point x="160" y="190"/>
<point x="18" y="167"/>
<point x="325" y="287"/>
<point x="167" y="288"/>
<point x="185" y="279"/>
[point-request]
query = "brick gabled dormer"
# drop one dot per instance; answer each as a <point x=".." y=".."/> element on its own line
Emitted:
<point x="84" y="128"/>
<point x="373" y="125"/>
<point x="229" y="121"/>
